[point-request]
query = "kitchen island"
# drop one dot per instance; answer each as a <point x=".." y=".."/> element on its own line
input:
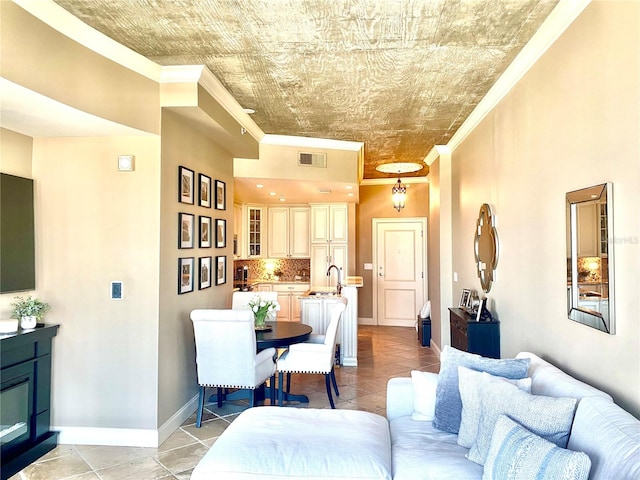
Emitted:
<point x="315" y="310"/>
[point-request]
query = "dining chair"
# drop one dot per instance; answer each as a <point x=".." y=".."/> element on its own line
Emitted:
<point x="313" y="356"/>
<point x="226" y="354"/>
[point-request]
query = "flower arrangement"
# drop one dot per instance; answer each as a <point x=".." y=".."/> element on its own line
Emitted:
<point x="29" y="307"/>
<point x="261" y="308"/>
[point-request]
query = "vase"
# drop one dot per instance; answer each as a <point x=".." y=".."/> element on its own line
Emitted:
<point x="260" y="320"/>
<point x="28" y="322"/>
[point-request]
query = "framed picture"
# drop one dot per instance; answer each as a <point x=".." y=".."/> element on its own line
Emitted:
<point x="221" y="270"/>
<point x="221" y="195"/>
<point x="185" y="275"/>
<point x="204" y="200"/>
<point x="205" y="272"/>
<point x="465" y="298"/>
<point x="185" y="185"/>
<point x="185" y="230"/>
<point x="205" y="232"/>
<point x="221" y="233"/>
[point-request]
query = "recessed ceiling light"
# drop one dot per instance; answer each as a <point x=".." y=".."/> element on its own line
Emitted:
<point x="282" y="199"/>
<point x="349" y="194"/>
<point x="324" y="190"/>
<point x="249" y="111"/>
<point x="259" y="185"/>
<point x="399" y="167"/>
<point x="273" y="194"/>
<point x="349" y="187"/>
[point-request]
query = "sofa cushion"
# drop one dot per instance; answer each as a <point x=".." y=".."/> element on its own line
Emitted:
<point x="470" y="385"/>
<point x="548" y="417"/>
<point x="610" y="436"/>
<point x="517" y="454"/>
<point x="549" y="380"/>
<point x="300" y="443"/>
<point x="424" y="395"/>
<point x="448" y="403"/>
<point x="421" y="451"/>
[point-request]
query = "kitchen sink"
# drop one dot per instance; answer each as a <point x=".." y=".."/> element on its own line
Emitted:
<point x="322" y="292"/>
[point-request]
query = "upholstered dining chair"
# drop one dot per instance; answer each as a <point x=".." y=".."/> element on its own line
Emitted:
<point x="226" y="354"/>
<point x="316" y="356"/>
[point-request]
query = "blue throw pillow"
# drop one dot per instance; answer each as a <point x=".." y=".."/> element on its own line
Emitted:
<point x="516" y="453"/>
<point x="448" y="410"/>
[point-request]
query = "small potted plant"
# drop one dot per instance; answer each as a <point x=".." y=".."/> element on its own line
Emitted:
<point x="29" y="310"/>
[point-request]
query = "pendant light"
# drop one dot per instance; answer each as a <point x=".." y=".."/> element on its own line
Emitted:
<point x="399" y="195"/>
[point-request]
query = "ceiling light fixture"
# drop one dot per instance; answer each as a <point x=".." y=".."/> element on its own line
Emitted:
<point x="399" y="167"/>
<point x="399" y="195"/>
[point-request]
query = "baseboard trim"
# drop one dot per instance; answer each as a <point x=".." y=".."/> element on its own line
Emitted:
<point x="365" y="321"/>
<point x="126" y="437"/>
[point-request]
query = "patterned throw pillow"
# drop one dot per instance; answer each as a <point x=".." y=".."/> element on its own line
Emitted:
<point x="470" y="386"/>
<point x="517" y="454"/>
<point x="448" y="410"/>
<point x="548" y="417"/>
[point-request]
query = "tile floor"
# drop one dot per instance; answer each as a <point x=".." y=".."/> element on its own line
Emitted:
<point x="383" y="352"/>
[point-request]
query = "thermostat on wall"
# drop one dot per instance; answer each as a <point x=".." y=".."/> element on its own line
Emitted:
<point x="126" y="163"/>
<point x="116" y="290"/>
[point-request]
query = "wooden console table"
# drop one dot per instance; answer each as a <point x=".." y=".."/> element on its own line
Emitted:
<point x="470" y="336"/>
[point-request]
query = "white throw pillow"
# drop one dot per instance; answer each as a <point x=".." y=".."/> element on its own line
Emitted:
<point x="516" y="454"/>
<point x="470" y="383"/>
<point x="424" y="395"/>
<point x="548" y="417"/>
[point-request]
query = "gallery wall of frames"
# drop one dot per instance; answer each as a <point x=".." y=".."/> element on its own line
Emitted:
<point x="201" y="230"/>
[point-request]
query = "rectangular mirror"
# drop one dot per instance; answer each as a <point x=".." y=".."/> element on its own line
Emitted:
<point x="590" y="257"/>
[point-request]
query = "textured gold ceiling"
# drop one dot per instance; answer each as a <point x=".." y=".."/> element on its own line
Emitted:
<point x="398" y="75"/>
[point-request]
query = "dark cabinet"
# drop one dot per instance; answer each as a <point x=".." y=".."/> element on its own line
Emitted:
<point x="25" y="396"/>
<point x="467" y="334"/>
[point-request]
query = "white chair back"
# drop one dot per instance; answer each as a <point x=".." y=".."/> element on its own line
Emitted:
<point x="225" y="347"/>
<point x="334" y="323"/>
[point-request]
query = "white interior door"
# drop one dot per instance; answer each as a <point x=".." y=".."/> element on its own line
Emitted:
<point x="400" y="270"/>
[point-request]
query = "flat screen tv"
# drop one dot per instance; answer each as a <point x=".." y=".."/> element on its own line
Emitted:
<point x="17" y="240"/>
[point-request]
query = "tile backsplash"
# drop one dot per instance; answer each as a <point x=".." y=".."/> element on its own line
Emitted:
<point x="287" y="268"/>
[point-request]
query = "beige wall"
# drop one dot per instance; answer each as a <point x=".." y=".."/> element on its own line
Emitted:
<point x="571" y="122"/>
<point x="41" y="59"/>
<point x="184" y="146"/>
<point x="375" y="202"/>
<point x="96" y="225"/>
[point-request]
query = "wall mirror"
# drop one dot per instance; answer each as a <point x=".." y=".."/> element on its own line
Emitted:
<point x="485" y="247"/>
<point x="590" y="257"/>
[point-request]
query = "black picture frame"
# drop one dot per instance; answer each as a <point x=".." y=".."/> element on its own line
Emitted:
<point x="204" y="231"/>
<point x="221" y="195"/>
<point x="204" y="273"/>
<point x="185" y="275"/>
<point x="221" y="269"/>
<point x="204" y="190"/>
<point x="186" y="230"/>
<point x="185" y="185"/>
<point x="221" y="233"/>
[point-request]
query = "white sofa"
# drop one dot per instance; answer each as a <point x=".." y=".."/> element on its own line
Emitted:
<point x="292" y="443"/>
<point x="605" y="432"/>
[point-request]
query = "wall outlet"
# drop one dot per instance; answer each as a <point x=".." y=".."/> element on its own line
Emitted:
<point x="116" y="290"/>
<point x="455" y="276"/>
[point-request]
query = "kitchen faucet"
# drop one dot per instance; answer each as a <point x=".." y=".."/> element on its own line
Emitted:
<point x="339" y="270"/>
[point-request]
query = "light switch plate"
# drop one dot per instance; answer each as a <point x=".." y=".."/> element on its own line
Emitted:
<point x="116" y="290"/>
<point x="126" y="163"/>
<point x="368" y="266"/>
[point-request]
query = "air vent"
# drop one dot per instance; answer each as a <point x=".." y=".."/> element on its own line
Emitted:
<point x="312" y="159"/>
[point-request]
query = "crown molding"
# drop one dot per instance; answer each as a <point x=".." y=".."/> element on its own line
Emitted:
<point x="312" y="142"/>
<point x="556" y="23"/>
<point x="392" y="181"/>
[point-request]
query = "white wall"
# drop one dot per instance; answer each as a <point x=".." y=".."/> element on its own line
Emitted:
<point x="571" y="122"/>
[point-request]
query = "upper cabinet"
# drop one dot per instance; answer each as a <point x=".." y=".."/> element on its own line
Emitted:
<point x="256" y="231"/>
<point x="288" y="232"/>
<point x="329" y="223"/>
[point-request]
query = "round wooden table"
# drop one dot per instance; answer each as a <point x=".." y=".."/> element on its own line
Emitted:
<point x="283" y="334"/>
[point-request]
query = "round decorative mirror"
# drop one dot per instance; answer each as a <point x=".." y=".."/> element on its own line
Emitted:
<point x="485" y="247"/>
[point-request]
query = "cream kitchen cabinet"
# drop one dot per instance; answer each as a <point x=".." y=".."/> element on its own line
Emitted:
<point x="588" y="220"/>
<point x="329" y="222"/>
<point x="238" y="231"/>
<point x="289" y="300"/>
<point x="255" y="231"/>
<point x="322" y="256"/>
<point x="288" y="229"/>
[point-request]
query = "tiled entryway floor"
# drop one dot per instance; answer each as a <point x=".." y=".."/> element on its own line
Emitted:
<point x="383" y="353"/>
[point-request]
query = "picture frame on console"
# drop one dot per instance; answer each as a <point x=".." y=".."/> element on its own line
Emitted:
<point x="465" y="298"/>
